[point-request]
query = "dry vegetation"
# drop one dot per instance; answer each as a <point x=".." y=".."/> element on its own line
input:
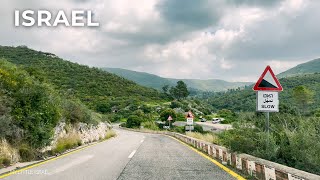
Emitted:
<point x="209" y="137"/>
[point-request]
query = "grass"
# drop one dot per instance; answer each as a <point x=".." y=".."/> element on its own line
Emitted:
<point x="208" y="137"/>
<point x="123" y="120"/>
<point x="110" y="133"/>
<point x="150" y="125"/>
<point x="7" y="153"/>
<point x="70" y="141"/>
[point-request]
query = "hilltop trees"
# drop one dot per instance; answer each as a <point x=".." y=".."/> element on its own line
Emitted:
<point x="165" y="89"/>
<point x="166" y="113"/>
<point x="180" y="91"/>
<point x="302" y="96"/>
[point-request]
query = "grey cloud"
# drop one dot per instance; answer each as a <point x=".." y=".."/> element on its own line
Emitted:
<point x="282" y="37"/>
<point x="195" y="14"/>
<point x="255" y="2"/>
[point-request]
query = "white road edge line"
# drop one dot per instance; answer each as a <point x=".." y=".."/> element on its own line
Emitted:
<point x="131" y="155"/>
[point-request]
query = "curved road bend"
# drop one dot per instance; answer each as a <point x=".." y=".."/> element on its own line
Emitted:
<point x="131" y="155"/>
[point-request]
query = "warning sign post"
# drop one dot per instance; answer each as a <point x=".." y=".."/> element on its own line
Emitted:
<point x="268" y="87"/>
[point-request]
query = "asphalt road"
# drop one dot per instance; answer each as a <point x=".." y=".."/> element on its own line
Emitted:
<point x="207" y="126"/>
<point x="130" y="155"/>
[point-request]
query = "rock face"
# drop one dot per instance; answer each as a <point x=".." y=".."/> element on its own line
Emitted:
<point x="87" y="133"/>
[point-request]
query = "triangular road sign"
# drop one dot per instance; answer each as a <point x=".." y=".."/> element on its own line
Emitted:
<point x="169" y="118"/>
<point x="189" y="115"/>
<point x="268" y="81"/>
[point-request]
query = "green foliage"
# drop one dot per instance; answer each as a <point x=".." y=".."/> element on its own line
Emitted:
<point x="198" y="128"/>
<point x="166" y="113"/>
<point x="165" y="89"/>
<point x="30" y="109"/>
<point x="179" y="129"/>
<point x="293" y="140"/>
<point x="91" y="85"/>
<point x="302" y="96"/>
<point x="150" y="125"/>
<point x="309" y="67"/>
<point x="110" y="133"/>
<point x="103" y="107"/>
<point x="134" y="121"/>
<point x="244" y="100"/>
<point x="180" y="90"/>
<point x="178" y="104"/>
<point x="5" y="162"/>
<point x="317" y="113"/>
<point x="26" y="153"/>
<point x="227" y="114"/>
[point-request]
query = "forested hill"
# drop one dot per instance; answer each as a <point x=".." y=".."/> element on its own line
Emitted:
<point x="157" y="82"/>
<point x="245" y="100"/>
<point x="91" y="85"/>
<point x="309" y="67"/>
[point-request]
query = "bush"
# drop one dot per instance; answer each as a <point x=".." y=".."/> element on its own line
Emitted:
<point x="26" y="153"/>
<point x="5" y="162"/>
<point x="179" y="129"/>
<point x="110" y="133"/>
<point x="198" y="128"/>
<point x="150" y="125"/>
<point x="134" y="121"/>
<point x="176" y="104"/>
<point x="166" y="113"/>
<point x="208" y="137"/>
<point x="68" y="142"/>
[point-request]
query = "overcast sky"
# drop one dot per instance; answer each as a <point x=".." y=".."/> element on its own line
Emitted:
<point x="203" y="39"/>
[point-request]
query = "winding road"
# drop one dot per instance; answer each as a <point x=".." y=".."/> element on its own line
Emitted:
<point x="131" y="155"/>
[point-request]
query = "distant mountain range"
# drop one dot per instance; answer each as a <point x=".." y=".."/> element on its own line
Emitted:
<point x="157" y="82"/>
<point x="309" y="67"/>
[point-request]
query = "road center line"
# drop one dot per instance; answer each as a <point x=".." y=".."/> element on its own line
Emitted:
<point x="131" y="155"/>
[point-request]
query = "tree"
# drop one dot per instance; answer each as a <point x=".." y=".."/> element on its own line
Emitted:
<point x="165" y="89"/>
<point x="134" y="121"/>
<point x="303" y="96"/>
<point x="166" y="113"/>
<point x="180" y="90"/>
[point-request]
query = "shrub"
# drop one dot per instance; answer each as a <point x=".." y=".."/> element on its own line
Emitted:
<point x="150" y="125"/>
<point x="5" y="162"/>
<point x="198" y="128"/>
<point x="179" y="129"/>
<point x="70" y="141"/>
<point x="176" y="104"/>
<point x="166" y="113"/>
<point x="26" y="153"/>
<point x="134" y="121"/>
<point x="208" y="137"/>
<point x="110" y="133"/>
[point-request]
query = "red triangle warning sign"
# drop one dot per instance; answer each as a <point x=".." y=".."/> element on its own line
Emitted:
<point x="189" y="115"/>
<point x="268" y="81"/>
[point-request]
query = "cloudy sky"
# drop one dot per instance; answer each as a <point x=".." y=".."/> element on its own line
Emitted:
<point x="203" y="39"/>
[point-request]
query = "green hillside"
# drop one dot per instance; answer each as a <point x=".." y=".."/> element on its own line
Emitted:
<point x="309" y="67"/>
<point x="29" y="112"/>
<point x="157" y="82"/>
<point x="245" y="100"/>
<point x="142" y="78"/>
<point x="96" y="88"/>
